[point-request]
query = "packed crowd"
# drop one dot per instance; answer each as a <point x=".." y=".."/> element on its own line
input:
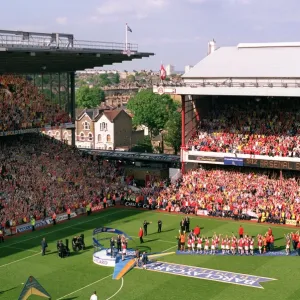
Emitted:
<point x="40" y="176"/>
<point x="232" y="191"/>
<point x="268" y="127"/>
<point x="23" y="106"/>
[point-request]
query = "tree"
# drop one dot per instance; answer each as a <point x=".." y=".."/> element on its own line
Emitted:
<point x="173" y="128"/>
<point x="115" y="78"/>
<point x="104" y="80"/>
<point x="89" y="97"/>
<point x="151" y="110"/>
<point x="144" y="145"/>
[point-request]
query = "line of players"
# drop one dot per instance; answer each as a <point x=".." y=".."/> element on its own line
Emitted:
<point x="234" y="245"/>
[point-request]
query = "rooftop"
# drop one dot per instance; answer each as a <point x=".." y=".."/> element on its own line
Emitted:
<point x="32" y="52"/>
<point x="268" y="60"/>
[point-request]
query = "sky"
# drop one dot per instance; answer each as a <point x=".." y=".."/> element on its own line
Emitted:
<point x="177" y="31"/>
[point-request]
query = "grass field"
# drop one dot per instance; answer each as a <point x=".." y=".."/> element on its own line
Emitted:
<point x="76" y="277"/>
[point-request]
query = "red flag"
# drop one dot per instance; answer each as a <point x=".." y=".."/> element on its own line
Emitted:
<point x="163" y="72"/>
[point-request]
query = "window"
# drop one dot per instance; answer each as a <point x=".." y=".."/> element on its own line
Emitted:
<point x="86" y="125"/>
<point x="103" y="126"/>
<point x="82" y="136"/>
<point x="90" y="137"/>
<point x="108" y="138"/>
<point x="99" y="138"/>
<point x="57" y="133"/>
<point x="66" y="136"/>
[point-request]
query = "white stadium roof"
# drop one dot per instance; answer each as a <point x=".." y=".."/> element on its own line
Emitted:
<point x="273" y="60"/>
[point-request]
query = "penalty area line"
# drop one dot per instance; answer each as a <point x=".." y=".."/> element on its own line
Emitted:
<point x="85" y="287"/>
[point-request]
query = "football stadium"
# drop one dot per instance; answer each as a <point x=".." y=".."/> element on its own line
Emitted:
<point x="73" y="225"/>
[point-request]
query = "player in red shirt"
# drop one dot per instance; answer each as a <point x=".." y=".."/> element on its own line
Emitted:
<point x="270" y="231"/>
<point x="124" y="247"/>
<point x="199" y="245"/>
<point x="193" y="242"/>
<point x="213" y="246"/>
<point x="189" y="244"/>
<point x="260" y="243"/>
<point x="206" y="246"/>
<point x="252" y="246"/>
<point x="246" y="245"/>
<point x="241" y="246"/>
<point x="141" y="234"/>
<point x="227" y="245"/>
<point x="197" y="231"/>
<point x="223" y="245"/>
<point x="298" y="246"/>
<point x="241" y="231"/>
<point x="233" y="246"/>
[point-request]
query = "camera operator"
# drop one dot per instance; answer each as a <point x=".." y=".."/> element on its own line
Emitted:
<point x="61" y="249"/>
<point x="75" y="243"/>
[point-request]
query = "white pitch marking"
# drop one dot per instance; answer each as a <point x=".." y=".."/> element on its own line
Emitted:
<point x="15" y="261"/>
<point x="117" y="292"/>
<point x="60" y="229"/>
<point x="84" y="287"/>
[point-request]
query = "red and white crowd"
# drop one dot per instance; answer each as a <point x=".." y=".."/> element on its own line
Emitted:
<point x="267" y="127"/>
<point x="222" y="191"/>
<point x="40" y="176"/>
<point x="23" y="106"/>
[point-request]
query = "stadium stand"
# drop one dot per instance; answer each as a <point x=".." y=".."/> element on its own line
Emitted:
<point x="257" y="127"/>
<point x="222" y="192"/>
<point x="39" y="176"/>
<point x="23" y="106"/>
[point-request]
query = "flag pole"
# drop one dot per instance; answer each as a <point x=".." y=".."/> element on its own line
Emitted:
<point x="126" y="37"/>
<point x="161" y="81"/>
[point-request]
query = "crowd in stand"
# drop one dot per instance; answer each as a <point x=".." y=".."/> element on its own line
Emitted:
<point x="40" y="176"/>
<point x="23" y="106"/>
<point x="236" y="193"/>
<point x="267" y="127"/>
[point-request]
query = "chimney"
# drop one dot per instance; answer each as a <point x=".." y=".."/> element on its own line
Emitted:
<point x="211" y="47"/>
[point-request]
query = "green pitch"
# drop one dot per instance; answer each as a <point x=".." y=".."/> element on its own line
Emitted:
<point x="76" y="277"/>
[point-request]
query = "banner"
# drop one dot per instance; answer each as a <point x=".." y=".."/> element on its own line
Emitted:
<point x="252" y="214"/>
<point x="206" y="159"/>
<point x="62" y="217"/>
<point x="291" y="222"/>
<point x="139" y="205"/>
<point x="229" y="161"/>
<point x="272" y="164"/>
<point x="97" y="208"/>
<point x="209" y="274"/>
<point x="80" y="211"/>
<point x="28" y="226"/>
<point x="201" y="212"/>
